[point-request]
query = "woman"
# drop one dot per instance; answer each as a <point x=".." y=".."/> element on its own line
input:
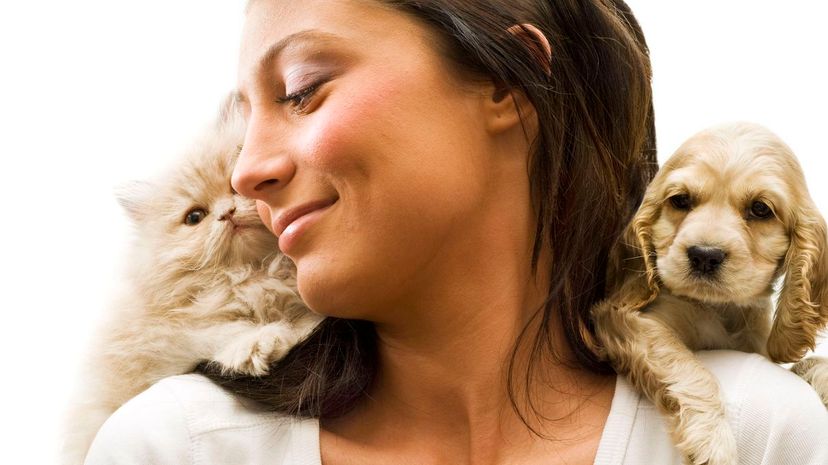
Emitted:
<point x="469" y="167"/>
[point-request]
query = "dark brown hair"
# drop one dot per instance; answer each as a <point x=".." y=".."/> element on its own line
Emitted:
<point x="590" y="164"/>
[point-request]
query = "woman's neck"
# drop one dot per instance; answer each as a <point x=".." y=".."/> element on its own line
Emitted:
<point x="442" y="389"/>
<point x="443" y="381"/>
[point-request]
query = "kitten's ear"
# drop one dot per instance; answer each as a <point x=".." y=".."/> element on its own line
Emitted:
<point x="229" y="112"/>
<point x="134" y="197"/>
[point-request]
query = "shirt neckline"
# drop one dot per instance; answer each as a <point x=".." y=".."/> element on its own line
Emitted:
<point x="612" y="447"/>
<point x="304" y="442"/>
<point x="615" y="438"/>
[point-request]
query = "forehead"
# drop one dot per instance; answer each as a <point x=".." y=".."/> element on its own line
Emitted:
<point x="272" y="26"/>
<point x="737" y="165"/>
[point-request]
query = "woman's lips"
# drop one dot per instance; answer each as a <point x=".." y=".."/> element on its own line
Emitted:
<point x="284" y="219"/>
<point x="290" y="224"/>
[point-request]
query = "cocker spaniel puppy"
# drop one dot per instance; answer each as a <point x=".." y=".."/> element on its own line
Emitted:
<point x="726" y="216"/>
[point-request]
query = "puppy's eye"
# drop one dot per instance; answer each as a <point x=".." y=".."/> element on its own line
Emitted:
<point x="681" y="202"/>
<point x="194" y="216"/>
<point x="760" y="210"/>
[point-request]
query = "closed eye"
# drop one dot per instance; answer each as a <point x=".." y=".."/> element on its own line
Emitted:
<point x="300" y="99"/>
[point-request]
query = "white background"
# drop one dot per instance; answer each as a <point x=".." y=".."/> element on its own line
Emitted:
<point x="95" y="93"/>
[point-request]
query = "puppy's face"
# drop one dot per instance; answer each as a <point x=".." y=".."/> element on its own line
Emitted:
<point x="720" y="228"/>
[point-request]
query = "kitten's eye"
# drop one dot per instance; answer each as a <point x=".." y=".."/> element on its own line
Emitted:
<point x="760" y="210"/>
<point x="681" y="202"/>
<point x="194" y="216"/>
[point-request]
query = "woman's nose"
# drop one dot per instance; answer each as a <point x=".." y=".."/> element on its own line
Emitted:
<point x="262" y="167"/>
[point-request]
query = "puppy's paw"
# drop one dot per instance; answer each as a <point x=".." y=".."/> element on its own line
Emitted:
<point x="814" y="370"/>
<point x="719" y="449"/>
<point x="252" y="353"/>
<point x="707" y="439"/>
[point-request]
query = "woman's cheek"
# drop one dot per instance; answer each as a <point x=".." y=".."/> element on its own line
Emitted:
<point x="345" y="133"/>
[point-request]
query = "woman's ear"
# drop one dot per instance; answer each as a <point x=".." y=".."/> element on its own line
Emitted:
<point x="508" y="106"/>
<point x="802" y="308"/>
<point x="536" y="42"/>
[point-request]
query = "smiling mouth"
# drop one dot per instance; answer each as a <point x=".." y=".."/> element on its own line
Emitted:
<point x="294" y="224"/>
<point x="284" y="220"/>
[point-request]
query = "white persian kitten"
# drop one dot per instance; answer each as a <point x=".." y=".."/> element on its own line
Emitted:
<point x="205" y="281"/>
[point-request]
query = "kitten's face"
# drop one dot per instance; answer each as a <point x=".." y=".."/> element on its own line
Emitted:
<point x="192" y="219"/>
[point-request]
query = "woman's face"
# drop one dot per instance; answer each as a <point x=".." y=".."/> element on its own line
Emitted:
<point x="349" y="103"/>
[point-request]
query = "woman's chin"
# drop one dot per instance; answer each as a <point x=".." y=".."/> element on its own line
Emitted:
<point x="330" y="294"/>
<point x="316" y="286"/>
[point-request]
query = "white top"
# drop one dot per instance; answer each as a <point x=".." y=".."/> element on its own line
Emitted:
<point x="188" y="420"/>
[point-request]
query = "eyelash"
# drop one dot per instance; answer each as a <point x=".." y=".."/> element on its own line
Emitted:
<point x="298" y="99"/>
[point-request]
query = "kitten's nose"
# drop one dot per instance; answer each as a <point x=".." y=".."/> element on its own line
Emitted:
<point x="227" y="215"/>
<point x="705" y="260"/>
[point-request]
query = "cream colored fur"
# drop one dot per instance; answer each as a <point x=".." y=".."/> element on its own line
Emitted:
<point x="662" y="310"/>
<point x="216" y="291"/>
<point x="814" y="370"/>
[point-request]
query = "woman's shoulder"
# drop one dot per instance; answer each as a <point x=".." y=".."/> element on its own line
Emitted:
<point x="776" y="416"/>
<point x="754" y="387"/>
<point x="188" y="419"/>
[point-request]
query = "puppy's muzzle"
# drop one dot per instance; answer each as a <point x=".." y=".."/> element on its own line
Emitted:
<point x="705" y="261"/>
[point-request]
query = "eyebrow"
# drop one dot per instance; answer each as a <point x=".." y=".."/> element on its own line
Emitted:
<point x="675" y="187"/>
<point x="260" y="68"/>
<point x="309" y="35"/>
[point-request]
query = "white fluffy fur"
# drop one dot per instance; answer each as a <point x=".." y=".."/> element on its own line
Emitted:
<point x="661" y="311"/>
<point x="215" y="291"/>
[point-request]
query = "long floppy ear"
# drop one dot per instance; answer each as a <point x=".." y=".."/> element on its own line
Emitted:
<point x="642" y="229"/>
<point x="802" y="309"/>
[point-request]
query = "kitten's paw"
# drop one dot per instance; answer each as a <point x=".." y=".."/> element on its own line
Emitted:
<point x="253" y="352"/>
<point x="814" y="370"/>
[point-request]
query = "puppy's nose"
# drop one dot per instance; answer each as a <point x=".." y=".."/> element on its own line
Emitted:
<point x="705" y="260"/>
